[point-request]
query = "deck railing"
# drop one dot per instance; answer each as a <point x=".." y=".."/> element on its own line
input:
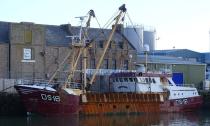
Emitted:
<point x="7" y="85"/>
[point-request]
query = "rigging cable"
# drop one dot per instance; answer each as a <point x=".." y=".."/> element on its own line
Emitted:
<point x="110" y="20"/>
<point x="134" y="28"/>
<point x="108" y="23"/>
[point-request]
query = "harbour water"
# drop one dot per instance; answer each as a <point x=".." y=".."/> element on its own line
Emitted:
<point x="201" y="118"/>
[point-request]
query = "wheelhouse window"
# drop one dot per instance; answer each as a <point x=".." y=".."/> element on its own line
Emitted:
<point x="126" y="79"/>
<point x="142" y="80"/>
<point x="150" y="80"/>
<point x="131" y="79"/>
<point x="147" y="80"/>
<point x="135" y="79"/>
<point x="153" y="80"/>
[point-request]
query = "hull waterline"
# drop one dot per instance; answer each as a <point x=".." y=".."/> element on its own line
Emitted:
<point x="54" y="103"/>
<point x="130" y="103"/>
<point x="48" y="103"/>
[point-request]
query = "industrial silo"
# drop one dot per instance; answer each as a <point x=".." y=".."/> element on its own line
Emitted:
<point x="135" y="35"/>
<point x="149" y="37"/>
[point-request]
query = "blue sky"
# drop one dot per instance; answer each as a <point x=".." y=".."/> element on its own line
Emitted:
<point x="183" y="24"/>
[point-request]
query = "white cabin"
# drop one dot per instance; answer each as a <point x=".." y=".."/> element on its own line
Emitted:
<point x="149" y="82"/>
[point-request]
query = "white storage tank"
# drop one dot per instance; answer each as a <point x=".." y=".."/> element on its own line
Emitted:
<point x="149" y="36"/>
<point x="135" y="35"/>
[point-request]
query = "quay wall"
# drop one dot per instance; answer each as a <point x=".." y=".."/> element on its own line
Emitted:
<point x="7" y="85"/>
<point x="10" y="104"/>
<point x="206" y="98"/>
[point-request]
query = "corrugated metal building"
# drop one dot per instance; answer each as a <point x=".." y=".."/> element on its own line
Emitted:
<point x="177" y="61"/>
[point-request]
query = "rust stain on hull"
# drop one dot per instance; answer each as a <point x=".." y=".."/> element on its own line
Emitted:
<point x="126" y="103"/>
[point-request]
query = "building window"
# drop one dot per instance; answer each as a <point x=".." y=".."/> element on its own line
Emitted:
<point x="110" y="44"/>
<point x="114" y="64"/>
<point x="28" y="36"/>
<point x="27" y="54"/>
<point x="106" y="63"/>
<point x="101" y="44"/>
<point x="92" y="63"/>
<point x="121" y="45"/>
<point x="126" y="64"/>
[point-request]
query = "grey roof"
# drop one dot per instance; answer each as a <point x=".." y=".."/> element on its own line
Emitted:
<point x="169" y="51"/>
<point x="56" y="35"/>
<point x="166" y="60"/>
<point x="97" y="34"/>
<point x="4" y="32"/>
<point x="102" y="34"/>
<point x="184" y="53"/>
<point x="207" y="57"/>
<point x="177" y="52"/>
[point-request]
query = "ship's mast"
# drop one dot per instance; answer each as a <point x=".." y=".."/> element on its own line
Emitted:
<point x="78" y="43"/>
<point x="81" y="45"/>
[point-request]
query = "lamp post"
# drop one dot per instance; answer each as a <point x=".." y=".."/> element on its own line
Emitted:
<point x="130" y="59"/>
<point x="146" y="50"/>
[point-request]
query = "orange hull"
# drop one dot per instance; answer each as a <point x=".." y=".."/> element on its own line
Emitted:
<point x="128" y="103"/>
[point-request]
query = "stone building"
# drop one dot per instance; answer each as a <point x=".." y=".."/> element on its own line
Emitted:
<point x="4" y="50"/>
<point x="34" y="51"/>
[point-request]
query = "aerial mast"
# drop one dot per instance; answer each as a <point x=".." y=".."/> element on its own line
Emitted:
<point x="81" y="43"/>
<point x="78" y="42"/>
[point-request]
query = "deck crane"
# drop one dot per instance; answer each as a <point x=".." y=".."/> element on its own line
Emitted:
<point x="120" y="16"/>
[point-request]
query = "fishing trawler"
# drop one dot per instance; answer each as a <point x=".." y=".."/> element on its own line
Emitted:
<point x="132" y="92"/>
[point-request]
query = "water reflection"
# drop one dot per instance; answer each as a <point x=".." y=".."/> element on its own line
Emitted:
<point x="166" y="119"/>
<point x="53" y="121"/>
<point x="145" y="119"/>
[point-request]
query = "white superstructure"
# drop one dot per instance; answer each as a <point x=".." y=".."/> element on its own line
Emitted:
<point x="145" y="82"/>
